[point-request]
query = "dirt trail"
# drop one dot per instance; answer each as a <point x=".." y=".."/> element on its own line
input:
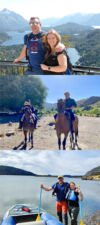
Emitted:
<point x="45" y="135"/>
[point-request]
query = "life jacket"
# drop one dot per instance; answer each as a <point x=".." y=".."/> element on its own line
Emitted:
<point x="55" y="190"/>
<point x="28" y="38"/>
<point x="71" y="195"/>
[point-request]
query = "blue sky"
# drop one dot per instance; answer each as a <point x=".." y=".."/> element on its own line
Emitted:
<point x="52" y="162"/>
<point x="52" y="8"/>
<point x="79" y="86"/>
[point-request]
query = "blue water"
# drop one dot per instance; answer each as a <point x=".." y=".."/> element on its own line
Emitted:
<point x="17" y="38"/>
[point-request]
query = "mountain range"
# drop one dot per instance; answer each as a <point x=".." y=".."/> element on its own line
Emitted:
<point x="83" y="19"/>
<point x="11" y="21"/>
<point x="93" y="100"/>
<point x="70" y="28"/>
<point x="9" y="170"/>
<point x="89" y="101"/>
<point x="93" y="172"/>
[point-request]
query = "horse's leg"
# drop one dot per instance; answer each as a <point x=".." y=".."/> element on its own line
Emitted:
<point x="64" y="142"/>
<point x="31" y="139"/>
<point x="72" y="140"/>
<point x="25" y="134"/>
<point x="59" y="142"/>
<point x="76" y="135"/>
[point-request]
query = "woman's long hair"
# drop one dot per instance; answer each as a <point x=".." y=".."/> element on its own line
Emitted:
<point x="45" y="40"/>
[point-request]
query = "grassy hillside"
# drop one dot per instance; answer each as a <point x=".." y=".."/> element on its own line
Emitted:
<point x="93" y="174"/>
<point x="8" y="170"/>
<point x="89" y="101"/>
<point x="94" y="171"/>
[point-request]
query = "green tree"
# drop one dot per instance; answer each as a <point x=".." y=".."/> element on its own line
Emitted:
<point x="15" y="90"/>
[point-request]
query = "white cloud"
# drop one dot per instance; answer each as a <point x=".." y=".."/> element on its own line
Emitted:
<point x="52" y="162"/>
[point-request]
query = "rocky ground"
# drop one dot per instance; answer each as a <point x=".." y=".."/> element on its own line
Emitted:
<point x="45" y="135"/>
<point x="94" y="219"/>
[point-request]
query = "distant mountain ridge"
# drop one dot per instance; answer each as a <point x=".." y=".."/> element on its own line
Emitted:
<point x="83" y="19"/>
<point x="9" y="170"/>
<point x="71" y="28"/>
<point x="11" y="21"/>
<point x="89" y="101"/>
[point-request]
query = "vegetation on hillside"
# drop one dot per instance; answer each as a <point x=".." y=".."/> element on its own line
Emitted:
<point x="10" y="52"/>
<point x="4" y="37"/>
<point x="88" y="47"/>
<point x="93" y="174"/>
<point x="9" y="170"/>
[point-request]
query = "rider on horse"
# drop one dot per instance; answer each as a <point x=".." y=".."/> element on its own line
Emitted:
<point x="28" y="107"/>
<point x="69" y="104"/>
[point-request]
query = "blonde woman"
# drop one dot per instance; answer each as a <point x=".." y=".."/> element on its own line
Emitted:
<point x="55" y="62"/>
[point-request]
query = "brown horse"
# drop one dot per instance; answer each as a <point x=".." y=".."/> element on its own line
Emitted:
<point x="63" y="124"/>
<point x="28" y="127"/>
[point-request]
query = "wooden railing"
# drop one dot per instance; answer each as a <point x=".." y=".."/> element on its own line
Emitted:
<point x="8" y="67"/>
<point x="86" y="70"/>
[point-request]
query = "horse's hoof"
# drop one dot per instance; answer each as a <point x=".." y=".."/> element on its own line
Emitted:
<point x="24" y="147"/>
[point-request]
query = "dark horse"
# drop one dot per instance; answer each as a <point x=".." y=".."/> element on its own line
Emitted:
<point x="28" y="127"/>
<point x="62" y="125"/>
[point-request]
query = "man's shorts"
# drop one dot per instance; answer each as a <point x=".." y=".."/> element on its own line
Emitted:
<point x="61" y="207"/>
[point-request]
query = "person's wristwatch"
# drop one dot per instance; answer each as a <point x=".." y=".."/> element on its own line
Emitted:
<point x="49" y="68"/>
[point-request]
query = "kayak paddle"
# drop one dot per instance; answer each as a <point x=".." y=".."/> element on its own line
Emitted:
<point x="38" y="217"/>
<point x="81" y="217"/>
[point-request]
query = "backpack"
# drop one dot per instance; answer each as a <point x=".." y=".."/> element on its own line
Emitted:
<point x="28" y="38"/>
<point x="69" y="68"/>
